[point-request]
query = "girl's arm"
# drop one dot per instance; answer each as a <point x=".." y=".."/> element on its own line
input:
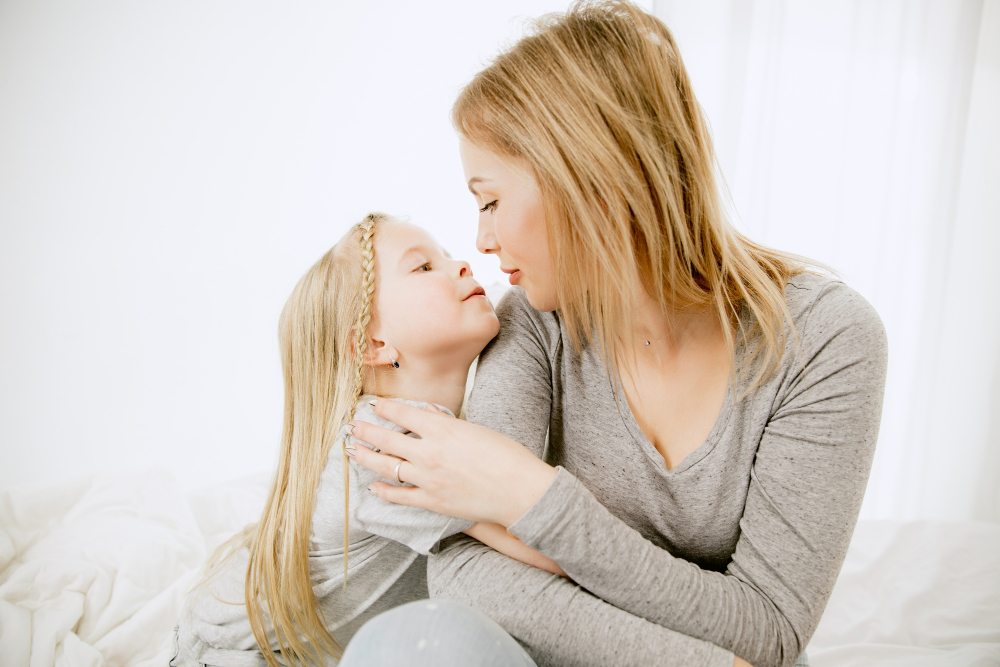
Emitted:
<point x="497" y="538"/>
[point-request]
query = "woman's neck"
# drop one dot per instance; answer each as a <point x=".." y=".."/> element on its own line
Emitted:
<point x="443" y="384"/>
<point x="671" y="331"/>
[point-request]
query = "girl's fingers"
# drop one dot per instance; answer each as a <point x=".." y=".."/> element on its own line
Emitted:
<point x="389" y="441"/>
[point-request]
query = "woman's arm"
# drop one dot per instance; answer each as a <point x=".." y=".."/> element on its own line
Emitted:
<point x="767" y="604"/>
<point x="497" y="538"/>
<point x="805" y="492"/>
<point x="559" y="623"/>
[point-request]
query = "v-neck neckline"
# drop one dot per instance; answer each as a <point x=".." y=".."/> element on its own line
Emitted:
<point x="702" y="450"/>
<point x="699" y="453"/>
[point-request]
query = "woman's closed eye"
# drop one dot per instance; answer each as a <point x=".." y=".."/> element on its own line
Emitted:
<point x="489" y="207"/>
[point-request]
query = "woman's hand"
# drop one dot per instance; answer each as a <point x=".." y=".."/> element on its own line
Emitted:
<point x="457" y="468"/>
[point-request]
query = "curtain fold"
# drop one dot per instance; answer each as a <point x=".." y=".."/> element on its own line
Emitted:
<point x="863" y="135"/>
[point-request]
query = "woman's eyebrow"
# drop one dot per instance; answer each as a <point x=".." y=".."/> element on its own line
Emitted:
<point x="477" y="179"/>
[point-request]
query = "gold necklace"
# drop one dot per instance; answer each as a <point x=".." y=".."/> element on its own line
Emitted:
<point x="646" y="343"/>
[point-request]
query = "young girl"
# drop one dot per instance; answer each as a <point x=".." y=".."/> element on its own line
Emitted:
<point x="297" y="585"/>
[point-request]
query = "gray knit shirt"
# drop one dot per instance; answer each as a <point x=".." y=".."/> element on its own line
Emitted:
<point x="387" y="565"/>
<point x="733" y="551"/>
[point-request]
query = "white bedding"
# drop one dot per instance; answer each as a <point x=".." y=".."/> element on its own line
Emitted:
<point x="93" y="572"/>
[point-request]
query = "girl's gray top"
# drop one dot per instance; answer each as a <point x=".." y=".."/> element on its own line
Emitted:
<point x="733" y="551"/>
<point x="387" y="565"/>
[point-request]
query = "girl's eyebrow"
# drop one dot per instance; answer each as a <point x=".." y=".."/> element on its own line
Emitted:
<point x="415" y="250"/>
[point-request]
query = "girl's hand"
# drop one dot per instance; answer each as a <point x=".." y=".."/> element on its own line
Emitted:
<point x="457" y="468"/>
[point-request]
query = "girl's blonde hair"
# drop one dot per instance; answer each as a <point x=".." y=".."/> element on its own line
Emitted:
<point x="323" y="338"/>
<point x="597" y="101"/>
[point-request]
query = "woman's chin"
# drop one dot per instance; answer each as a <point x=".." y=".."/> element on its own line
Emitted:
<point x="540" y="301"/>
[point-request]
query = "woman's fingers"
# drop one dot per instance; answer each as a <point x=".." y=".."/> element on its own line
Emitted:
<point x="383" y="464"/>
<point x="433" y="409"/>
<point x="387" y="440"/>
<point x="409" y="417"/>
<point x="412" y="496"/>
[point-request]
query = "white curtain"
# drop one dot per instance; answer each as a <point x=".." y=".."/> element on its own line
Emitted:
<point x="865" y="135"/>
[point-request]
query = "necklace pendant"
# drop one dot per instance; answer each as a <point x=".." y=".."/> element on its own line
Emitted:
<point x="646" y="343"/>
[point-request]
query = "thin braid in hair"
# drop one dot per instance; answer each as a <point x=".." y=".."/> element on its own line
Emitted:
<point x="367" y="227"/>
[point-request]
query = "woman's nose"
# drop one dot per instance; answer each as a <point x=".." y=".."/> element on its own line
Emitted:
<point x="486" y="239"/>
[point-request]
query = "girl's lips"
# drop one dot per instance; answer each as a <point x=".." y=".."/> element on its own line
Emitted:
<point x="478" y="291"/>
<point x="514" y="277"/>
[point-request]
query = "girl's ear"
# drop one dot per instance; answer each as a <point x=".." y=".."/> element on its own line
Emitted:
<point x="379" y="354"/>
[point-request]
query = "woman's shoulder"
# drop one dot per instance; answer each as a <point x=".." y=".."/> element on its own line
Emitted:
<point x="823" y="307"/>
<point x="810" y="296"/>
<point x="514" y="305"/>
<point x="517" y="316"/>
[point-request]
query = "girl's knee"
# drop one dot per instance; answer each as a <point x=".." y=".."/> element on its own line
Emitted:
<point x="433" y="632"/>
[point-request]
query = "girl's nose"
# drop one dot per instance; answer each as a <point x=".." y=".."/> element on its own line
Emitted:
<point x="464" y="270"/>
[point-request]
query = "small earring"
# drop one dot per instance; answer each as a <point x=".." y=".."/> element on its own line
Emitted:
<point x="395" y="364"/>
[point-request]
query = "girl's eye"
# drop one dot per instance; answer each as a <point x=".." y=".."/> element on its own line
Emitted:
<point x="489" y="207"/>
<point x="424" y="267"/>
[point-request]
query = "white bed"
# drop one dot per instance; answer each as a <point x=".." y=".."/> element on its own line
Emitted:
<point x="92" y="573"/>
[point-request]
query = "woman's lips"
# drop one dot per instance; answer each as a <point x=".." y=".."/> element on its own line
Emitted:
<point x="514" y="277"/>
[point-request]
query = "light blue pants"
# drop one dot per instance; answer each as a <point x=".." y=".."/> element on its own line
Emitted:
<point x="430" y="633"/>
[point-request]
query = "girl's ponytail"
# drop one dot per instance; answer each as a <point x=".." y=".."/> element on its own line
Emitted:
<point x="323" y="339"/>
<point x="364" y="317"/>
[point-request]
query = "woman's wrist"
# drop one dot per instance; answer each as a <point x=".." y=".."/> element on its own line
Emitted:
<point x="532" y="482"/>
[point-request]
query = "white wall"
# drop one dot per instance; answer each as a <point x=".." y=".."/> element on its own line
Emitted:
<point x="168" y="171"/>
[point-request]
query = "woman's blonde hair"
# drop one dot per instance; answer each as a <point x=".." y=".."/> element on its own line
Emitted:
<point x="598" y="102"/>
<point x="323" y="338"/>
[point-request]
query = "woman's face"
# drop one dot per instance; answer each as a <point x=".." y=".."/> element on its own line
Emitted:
<point x="428" y="307"/>
<point x="511" y="221"/>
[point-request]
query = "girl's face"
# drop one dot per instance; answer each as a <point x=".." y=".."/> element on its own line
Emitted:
<point x="428" y="307"/>
<point x="511" y="221"/>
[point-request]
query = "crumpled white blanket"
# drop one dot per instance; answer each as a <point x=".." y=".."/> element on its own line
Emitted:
<point x="93" y="573"/>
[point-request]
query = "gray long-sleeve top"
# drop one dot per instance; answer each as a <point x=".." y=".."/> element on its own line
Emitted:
<point x="738" y="546"/>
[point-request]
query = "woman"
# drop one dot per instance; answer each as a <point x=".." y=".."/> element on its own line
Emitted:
<point x="681" y="419"/>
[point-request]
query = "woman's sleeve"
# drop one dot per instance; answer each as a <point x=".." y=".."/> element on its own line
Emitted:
<point x="805" y="492"/>
<point x="557" y="621"/>
<point x="512" y="392"/>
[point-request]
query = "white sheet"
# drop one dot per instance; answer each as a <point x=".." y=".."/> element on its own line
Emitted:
<point x="93" y="572"/>
<point x="916" y="594"/>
